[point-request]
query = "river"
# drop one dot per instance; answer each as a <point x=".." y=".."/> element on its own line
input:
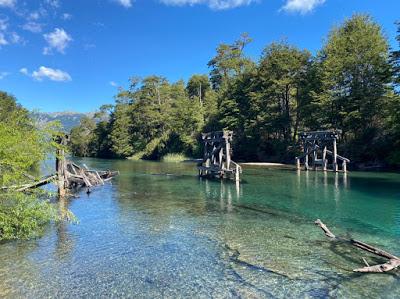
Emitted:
<point x="158" y="231"/>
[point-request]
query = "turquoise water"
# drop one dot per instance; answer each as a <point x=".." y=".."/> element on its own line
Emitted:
<point x="158" y="231"/>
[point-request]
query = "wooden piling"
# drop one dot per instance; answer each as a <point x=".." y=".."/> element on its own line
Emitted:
<point x="335" y="166"/>
<point x="324" y="161"/>
<point x="316" y="143"/>
<point x="217" y="160"/>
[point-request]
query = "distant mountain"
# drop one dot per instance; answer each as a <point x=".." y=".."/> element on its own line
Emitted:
<point x="67" y="119"/>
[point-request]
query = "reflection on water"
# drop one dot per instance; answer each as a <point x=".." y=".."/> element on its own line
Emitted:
<point x="159" y="231"/>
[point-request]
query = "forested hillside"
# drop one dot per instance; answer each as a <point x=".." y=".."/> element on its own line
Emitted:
<point x="350" y="84"/>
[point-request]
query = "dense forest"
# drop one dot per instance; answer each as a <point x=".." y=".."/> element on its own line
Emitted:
<point x="351" y="84"/>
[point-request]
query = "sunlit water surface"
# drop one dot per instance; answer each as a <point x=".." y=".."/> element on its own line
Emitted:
<point x="158" y="231"/>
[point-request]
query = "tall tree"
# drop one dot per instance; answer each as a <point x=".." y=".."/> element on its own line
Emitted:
<point x="395" y="57"/>
<point x="121" y="128"/>
<point x="198" y="87"/>
<point x="355" y="76"/>
<point x="229" y="61"/>
<point x="82" y="138"/>
<point x="281" y="86"/>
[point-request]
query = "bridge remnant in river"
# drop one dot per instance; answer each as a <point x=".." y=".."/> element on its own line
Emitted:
<point x="316" y="152"/>
<point x="217" y="160"/>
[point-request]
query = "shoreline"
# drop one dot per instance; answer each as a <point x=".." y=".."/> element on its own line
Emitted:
<point x="265" y="164"/>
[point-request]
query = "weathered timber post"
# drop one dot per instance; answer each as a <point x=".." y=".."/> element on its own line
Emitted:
<point x="60" y="167"/>
<point x="221" y="155"/>
<point x="335" y="166"/>
<point x="344" y="166"/>
<point x="314" y="157"/>
<point x="228" y="155"/>
<point x="217" y="161"/>
<point x="324" y="161"/>
<point x="316" y="143"/>
<point x="237" y="175"/>
<point x="306" y="159"/>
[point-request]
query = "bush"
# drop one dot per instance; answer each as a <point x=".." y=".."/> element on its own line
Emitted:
<point x="24" y="216"/>
<point x="174" y="158"/>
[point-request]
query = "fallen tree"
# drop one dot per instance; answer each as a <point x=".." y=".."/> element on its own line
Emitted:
<point x="392" y="263"/>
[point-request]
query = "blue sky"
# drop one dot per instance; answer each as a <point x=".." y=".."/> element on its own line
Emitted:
<point x="58" y="55"/>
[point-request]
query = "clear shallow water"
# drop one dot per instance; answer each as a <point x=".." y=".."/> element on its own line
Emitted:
<point x="159" y="231"/>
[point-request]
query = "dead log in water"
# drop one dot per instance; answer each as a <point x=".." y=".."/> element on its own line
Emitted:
<point x="69" y="176"/>
<point x="392" y="263"/>
<point x="33" y="185"/>
<point x="78" y="176"/>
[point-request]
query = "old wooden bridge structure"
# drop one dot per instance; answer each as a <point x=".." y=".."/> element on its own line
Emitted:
<point x="217" y="162"/>
<point x="316" y="153"/>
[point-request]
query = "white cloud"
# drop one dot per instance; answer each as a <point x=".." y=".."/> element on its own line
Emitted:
<point x="66" y="16"/>
<point x="3" y="40"/>
<point x="3" y="75"/>
<point x="58" y="40"/>
<point x="51" y="74"/>
<point x="53" y="3"/>
<point x="125" y="3"/>
<point x="32" y="27"/>
<point x="3" y="24"/>
<point x="113" y="84"/>
<point x="302" y="6"/>
<point x="7" y="3"/>
<point x="34" y="15"/>
<point x="15" y="38"/>
<point x="47" y="73"/>
<point x="213" y="4"/>
<point x="24" y="71"/>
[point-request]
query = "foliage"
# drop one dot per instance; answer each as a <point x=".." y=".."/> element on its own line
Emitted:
<point x="23" y="216"/>
<point x="22" y="145"/>
<point x="355" y="77"/>
<point x="349" y="85"/>
<point x="22" y="148"/>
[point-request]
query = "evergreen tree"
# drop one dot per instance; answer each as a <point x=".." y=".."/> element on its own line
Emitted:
<point x="280" y="89"/>
<point x="355" y="76"/>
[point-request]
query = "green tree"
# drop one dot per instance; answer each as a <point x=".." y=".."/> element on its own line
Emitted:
<point x="395" y="57"/>
<point x="198" y="87"/>
<point x="393" y="121"/>
<point x="82" y="138"/>
<point x="281" y="89"/>
<point x="121" y="129"/>
<point x="355" y="76"/>
<point x="355" y="79"/>
<point x="229" y="61"/>
<point x="22" y="148"/>
<point x="22" y="145"/>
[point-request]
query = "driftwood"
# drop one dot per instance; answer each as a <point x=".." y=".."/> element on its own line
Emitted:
<point x="392" y="263"/>
<point x="78" y="177"/>
<point x="70" y="176"/>
<point x="33" y="185"/>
